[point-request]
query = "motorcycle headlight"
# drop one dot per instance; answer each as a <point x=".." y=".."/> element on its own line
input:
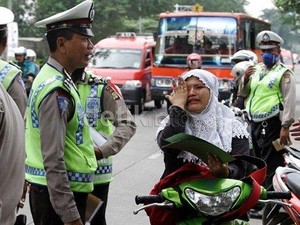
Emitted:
<point x="215" y="204"/>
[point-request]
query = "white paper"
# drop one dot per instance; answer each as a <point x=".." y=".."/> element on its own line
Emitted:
<point x="97" y="137"/>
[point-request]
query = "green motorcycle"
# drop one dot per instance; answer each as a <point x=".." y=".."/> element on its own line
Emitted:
<point x="201" y="201"/>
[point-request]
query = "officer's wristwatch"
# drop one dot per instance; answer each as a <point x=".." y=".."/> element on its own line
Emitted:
<point x="285" y="126"/>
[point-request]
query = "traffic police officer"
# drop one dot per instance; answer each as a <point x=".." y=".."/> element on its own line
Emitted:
<point x="271" y="93"/>
<point x="12" y="156"/>
<point x="108" y="114"/>
<point x="12" y="144"/>
<point x="61" y="160"/>
<point x="10" y="74"/>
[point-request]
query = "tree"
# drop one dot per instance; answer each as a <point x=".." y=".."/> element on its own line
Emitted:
<point x="116" y="15"/>
<point x="280" y="26"/>
<point x="291" y="9"/>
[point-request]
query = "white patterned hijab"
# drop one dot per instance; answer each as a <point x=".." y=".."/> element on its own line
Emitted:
<point x="216" y="123"/>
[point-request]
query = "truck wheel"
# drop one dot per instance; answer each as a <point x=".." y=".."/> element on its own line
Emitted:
<point x="141" y="105"/>
<point x="158" y="103"/>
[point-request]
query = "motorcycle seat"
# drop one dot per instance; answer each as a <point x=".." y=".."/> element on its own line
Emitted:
<point x="293" y="181"/>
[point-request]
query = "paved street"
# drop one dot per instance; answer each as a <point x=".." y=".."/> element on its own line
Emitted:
<point x="139" y="166"/>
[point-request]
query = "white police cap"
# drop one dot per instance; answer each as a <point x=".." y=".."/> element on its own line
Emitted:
<point x="6" y="17"/>
<point x="77" y="19"/>
<point x="268" y="39"/>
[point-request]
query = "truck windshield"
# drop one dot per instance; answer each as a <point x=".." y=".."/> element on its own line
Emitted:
<point x="214" y="38"/>
<point x="116" y="58"/>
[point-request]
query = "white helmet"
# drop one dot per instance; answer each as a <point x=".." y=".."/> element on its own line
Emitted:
<point x="20" y="51"/>
<point x="244" y="55"/>
<point x="238" y="70"/>
<point x="30" y="53"/>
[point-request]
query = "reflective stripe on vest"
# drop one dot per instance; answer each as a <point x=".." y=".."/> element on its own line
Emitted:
<point x="8" y="72"/>
<point x="4" y="71"/>
<point x="72" y="176"/>
<point x="91" y="101"/>
<point x="103" y="174"/>
<point x="35" y="121"/>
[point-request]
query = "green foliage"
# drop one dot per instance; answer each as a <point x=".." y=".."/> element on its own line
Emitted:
<point x="281" y="26"/>
<point x="116" y="15"/>
<point x="290" y="10"/>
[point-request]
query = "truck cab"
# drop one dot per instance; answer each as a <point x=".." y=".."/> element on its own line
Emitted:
<point x="127" y="59"/>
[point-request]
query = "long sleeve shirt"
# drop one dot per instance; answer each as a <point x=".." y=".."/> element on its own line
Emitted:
<point x="53" y="124"/>
<point x="176" y="124"/>
<point x="115" y="110"/>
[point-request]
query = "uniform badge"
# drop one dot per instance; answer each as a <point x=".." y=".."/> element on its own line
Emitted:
<point x="21" y="82"/>
<point x="114" y="91"/>
<point x="92" y="105"/>
<point x="63" y="103"/>
<point x="287" y="79"/>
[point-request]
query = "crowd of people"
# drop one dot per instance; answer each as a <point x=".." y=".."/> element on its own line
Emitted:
<point x="64" y="162"/>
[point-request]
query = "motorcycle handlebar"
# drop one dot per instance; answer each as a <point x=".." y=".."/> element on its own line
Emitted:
<point x="279" y="195"/>
<point x="149" y="199"/>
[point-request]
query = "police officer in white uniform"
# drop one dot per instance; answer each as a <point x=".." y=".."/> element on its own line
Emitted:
<point x="11" y="74"/>
<point x="271" y="98"/>
<point x="60" y="157"/>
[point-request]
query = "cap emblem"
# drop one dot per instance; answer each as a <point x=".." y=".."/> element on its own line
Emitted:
<point x="91" y="13"/>
<point x="266" y="37"/>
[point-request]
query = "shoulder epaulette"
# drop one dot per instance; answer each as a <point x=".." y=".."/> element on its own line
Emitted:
<point x="14" y="65"/>
<point x="98" y="79"/>
<point x="68" y="83"/>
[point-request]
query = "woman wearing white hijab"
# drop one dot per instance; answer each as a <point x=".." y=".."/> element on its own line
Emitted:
<point x="196" y="111"/>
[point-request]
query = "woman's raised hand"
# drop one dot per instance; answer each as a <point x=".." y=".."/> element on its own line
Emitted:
<point x="179" y="95"/>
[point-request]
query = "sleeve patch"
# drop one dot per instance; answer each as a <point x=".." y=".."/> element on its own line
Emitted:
<point x="21" y="82"/>
<point x="287" y="79"/>
<point x="63" y="104"/>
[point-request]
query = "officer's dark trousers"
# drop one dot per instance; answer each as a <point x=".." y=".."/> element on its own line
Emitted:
<point x="42" y="210"/>
<point x="101" y="191"/>
<point x="264" y="148"/>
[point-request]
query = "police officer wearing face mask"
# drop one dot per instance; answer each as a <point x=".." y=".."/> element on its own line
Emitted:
<point x="271" y="91"/>
<point x="271" y="98"/>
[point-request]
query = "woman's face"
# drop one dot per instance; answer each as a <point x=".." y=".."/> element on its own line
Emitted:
<point x="198" y="95"/>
